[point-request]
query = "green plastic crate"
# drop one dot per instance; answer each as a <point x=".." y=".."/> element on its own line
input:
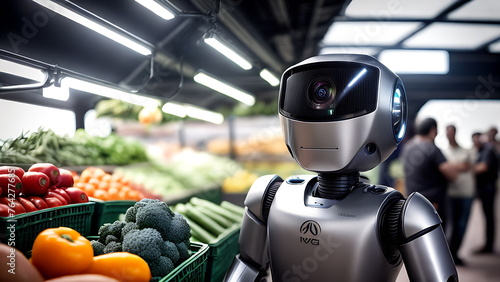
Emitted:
<point x="108" y="212"/>
<point x="221" y="254"/>
<point x="193" y="269"/>
<point x="22" y="229"/>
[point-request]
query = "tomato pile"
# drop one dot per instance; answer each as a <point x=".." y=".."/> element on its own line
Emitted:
<point x="42" y="186"/>
<point x="97" y="183"/>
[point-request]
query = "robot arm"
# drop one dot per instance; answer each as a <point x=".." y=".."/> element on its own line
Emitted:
<point x="424" y="248"/>
<point x="253" y="257"/>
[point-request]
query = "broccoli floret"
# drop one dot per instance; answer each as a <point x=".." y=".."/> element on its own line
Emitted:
<point x="179" y="230"/>
<point x="146" y="243"/>
<point x="112" y="247"/>
<point x="155" y="215"/>
<point x="170" y="250"/>
<point x="161" y="266"/>
<point x="110" y="238"/>
<point x="130" y="214"/>
<point x="114" y="229"/>
<point x="128" y="227"/>
<point x="183" y="249"/>
<point x="98" y="247"/>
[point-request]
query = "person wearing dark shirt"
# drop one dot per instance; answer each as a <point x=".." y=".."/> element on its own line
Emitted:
<point x="486" y="171"/>
<point x="425" y="167"/>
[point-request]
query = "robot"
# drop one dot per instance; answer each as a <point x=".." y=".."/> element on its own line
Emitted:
<point x="340" y="115"/>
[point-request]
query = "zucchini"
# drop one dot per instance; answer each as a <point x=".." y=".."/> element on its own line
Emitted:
<point x="199" y="233"/>
<point x="216" y="209"/>
<point x="204" y="221"/>
<point x="222" y="221"/>
<point x="232" y="207"/>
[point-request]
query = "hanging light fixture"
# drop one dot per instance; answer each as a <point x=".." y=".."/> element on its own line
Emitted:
<point x="224" y="88"/>
<point x="216" y="42"/>
<point x="269" y="77"/>
<point x="159" y="9"/>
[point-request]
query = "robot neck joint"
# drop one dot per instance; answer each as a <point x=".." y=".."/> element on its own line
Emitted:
<point x="336" y="186"/>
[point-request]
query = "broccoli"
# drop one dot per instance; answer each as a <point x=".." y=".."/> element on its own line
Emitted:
<point x="183" y="249"/>
<point x="161" y="266"/>
<point x="146" y="243"/>
<point x="98" y="247"/>
<point x="114" y="229"/>
<point x="179" y="230"/>
<point x="170" y="250"/>
<point x="112" y="247"/>
<point x="129" y="226"/>
<point x="154" y="215"/>
<point x="110" y="238"/>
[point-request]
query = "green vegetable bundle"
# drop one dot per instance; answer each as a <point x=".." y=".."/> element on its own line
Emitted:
<point x="209" y="221"/>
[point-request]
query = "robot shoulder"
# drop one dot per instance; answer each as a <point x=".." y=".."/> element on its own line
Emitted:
<point x="261" y="195"/>
<point x="418" y="215"/>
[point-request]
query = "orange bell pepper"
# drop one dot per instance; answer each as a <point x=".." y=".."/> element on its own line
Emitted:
<point x="122" y="266"/>
<point x="61" y="251"/>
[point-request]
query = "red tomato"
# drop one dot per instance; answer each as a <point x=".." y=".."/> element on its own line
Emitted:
<point x="52" y="202"/>
<point x="52" y="194"/>
<point x="27" y="204"/>
<point x="77" y="195"/>
<point x="6" y="211"/>
<point x="6" y="169"/>
<point x="13" y="204"/>
<point x="35" y="183"/>
<point x="65" y="178"/>
<point x="49" y="169"/>
<point x="10" y="184"/>
<point x="39" y="203"/>
<point x="61" y="192"/>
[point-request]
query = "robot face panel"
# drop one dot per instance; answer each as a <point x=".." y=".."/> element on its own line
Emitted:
<point x="341" y="113"/>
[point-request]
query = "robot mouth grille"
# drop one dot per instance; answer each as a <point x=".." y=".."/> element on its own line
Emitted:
<point x="311" y="148"/>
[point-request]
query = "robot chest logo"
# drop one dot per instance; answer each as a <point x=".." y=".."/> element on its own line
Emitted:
<point x="310" y="229"/>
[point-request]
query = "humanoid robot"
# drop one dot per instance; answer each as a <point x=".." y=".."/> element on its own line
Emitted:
<point x="340" y="115"/>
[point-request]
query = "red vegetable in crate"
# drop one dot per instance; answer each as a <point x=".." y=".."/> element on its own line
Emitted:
<point x="53" y="194"/>
<point x="49" y="169"/>
<point x="6" y="211"/>
<point x="65" y="178"/>
<point x="77" y="195"/>
<point x="52" y="202"/>
<point x="13" y="204"/>
<point x="6" y="169"/>
<point x="35" y="183"/>
<point x="27" y="204"/>
<point x="61" y="192"/>
<point x="10" y="184"/>
<point x="39" y="203"/>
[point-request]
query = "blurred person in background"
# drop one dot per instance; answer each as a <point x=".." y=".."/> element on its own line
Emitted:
<point x="425" y="168"/>
<point x="486" y="172"/>
<point x="460" y="191"/>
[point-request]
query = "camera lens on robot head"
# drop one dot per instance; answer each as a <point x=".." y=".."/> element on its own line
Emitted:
<point x="322" y="93"/>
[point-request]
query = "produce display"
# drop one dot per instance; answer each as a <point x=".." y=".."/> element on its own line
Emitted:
<point x="209" y="221"/>
<point x="150" y="230"/>
<point x="62" y="251"/>
<point x="80" y="149"/>
<point x="109" y="187"/>
<point x="42" y="186"/>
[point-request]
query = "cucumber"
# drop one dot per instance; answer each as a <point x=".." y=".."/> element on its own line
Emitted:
<point x="222" y="221"/>
<point x="199" y="233"/>
<point x="216" y="209"/>
<point x="204" y="221"/>
<point x="232" y="207"/>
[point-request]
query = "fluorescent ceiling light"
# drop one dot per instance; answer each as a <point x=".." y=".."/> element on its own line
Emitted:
<point x="109" y="92"/>
<point x="224" y="88"/>
<point x="56" y="92"/>
<point x="349" y="50"/>
<point x="183" y="110"/>
<point x="484" y="10"/>
<point x="368" y="33"/>
<point x="495" y="47"/>
<point x="101" y="29"/>
<point x="225" y="50"/>
<point x="453" y="36"/>
<point x="174" y="109"/>
<point x="416" y="61"/>
<point x="157" y="8"/>
<point x="269" y="77"/>
<point x="24" y="71"/>
<point x="205" y="115"/>
<point x="385" y="10"/>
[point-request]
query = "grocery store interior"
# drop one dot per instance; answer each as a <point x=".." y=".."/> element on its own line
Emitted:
<point x="178" y="101"/>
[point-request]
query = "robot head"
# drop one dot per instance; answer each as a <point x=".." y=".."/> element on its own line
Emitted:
<point x="341" y="113"/>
